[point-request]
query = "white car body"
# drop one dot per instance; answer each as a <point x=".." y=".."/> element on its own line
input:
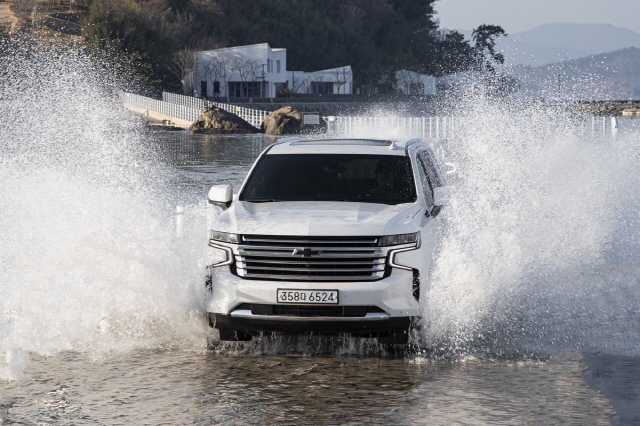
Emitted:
<point x="308" y="249"/>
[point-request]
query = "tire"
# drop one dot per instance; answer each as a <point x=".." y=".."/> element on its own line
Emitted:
<point x="234" y="336"/>
<point x="394" y="339"/>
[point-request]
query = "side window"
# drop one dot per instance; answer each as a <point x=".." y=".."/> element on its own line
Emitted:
<point x="427" y="186"/>
<point x="434" y="178"/>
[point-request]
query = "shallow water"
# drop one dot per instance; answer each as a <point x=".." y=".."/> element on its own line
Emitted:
<point x="532" y="317"/>
<point x="178" y="381"/>
<point x="223" y="388"/>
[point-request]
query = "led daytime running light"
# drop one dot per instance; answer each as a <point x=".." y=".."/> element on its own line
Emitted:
<point x="225" y="237"/>
<point x="395" y="240"/>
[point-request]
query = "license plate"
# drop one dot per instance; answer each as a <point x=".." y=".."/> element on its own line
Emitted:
<point x="314" y="297"/>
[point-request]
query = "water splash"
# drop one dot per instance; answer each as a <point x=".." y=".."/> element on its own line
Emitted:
<point x="89" y="259"/>
<point x="541" y="253"/>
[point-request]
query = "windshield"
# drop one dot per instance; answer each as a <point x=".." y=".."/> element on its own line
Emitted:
<point x="386" y="179"/>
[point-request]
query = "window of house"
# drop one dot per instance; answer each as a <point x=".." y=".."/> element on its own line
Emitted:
<point x="278" y="66"/>
<point x="244" y="89"/>
<point x="321" y="87"/>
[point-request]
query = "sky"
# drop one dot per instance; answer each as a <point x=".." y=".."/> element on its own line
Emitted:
<point x="521" y="15"/>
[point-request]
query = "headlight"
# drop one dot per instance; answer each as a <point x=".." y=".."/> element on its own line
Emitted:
<point x="395" y="240"/>
<point x="225" y="237"/>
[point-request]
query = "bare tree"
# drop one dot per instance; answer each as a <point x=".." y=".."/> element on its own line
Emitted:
<point x="184" y="66"/>
<point x="410" y="83"/>
<point x="342" y="76"/>
<point x="298" y="85"/>
<point x="249" y="70"/>
<point x="314" y="78"/>
<point x="255" y="73"/>
<point x="239" y="65"/>
<point x="223" y="69"/>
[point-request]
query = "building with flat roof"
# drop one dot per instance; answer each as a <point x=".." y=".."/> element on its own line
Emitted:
<point x="258" y="70"/>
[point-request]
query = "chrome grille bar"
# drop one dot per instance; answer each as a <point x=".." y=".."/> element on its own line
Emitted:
<point x="307" y="241"/>
<point x="305" y="258"/>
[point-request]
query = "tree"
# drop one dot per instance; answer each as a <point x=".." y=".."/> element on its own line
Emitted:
<point x="484" y="38"/>
<point x="342" y="76"/>
<point x="410" y="83"/>
<point x="184" y="65"/>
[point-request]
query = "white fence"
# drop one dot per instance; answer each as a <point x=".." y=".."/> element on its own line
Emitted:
<point x="425" y="127"/>
<point x="166" y="108"/>
<point x="442" y="127"/>
<point x="422" y="127"/>
<point x="253" y="116"/>
<point x="189" y="108"/>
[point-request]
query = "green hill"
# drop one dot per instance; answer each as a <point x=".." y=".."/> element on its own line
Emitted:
<point x="373" y="36"/>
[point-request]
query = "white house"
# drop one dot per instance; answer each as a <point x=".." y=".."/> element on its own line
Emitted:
<point x="413" y="83"/>
<point x="461" y="82"/>
<point x="259" y="71"/>
<point x="337" y="81"/>
<point x="245" y="71"/>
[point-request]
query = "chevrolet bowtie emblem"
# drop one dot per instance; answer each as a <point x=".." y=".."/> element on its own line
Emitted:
<point x="306" y="252"/>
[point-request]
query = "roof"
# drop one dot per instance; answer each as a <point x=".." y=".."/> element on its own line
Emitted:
<point x="265" y="45"/>
<point x="346" y="68"/>
<point x="340" y="146"/>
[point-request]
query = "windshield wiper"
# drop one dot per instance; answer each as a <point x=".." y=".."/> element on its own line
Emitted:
<point x="259" y="200"/>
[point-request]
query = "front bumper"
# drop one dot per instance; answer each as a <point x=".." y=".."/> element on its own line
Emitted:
<point x="393" y="294"/>
<point x="371" y="324"/>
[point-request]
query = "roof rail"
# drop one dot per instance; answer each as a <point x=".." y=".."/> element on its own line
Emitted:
<point x="337" y="141"/>
<point x="289" y="139"/>
<point x="410" y="142"/>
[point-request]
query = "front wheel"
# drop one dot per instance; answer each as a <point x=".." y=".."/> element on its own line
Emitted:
<point x="394" y="338"/>
<point x="234" y="336"/>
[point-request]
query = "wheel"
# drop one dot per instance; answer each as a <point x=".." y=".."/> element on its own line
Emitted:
<point x="234" y="336"/>
<point x="394" y="338"/>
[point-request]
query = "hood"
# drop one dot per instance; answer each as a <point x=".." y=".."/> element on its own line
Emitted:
<point x="318" y="218"/>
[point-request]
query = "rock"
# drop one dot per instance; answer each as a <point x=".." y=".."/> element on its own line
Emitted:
<point x="284" y="121"/>
<point x="216" y="120"/>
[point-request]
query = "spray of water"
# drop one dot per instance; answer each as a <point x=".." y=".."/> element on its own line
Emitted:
<point x="89" y="259"/>
<point x="540" y="253"/>
<point x="542" y="245"/>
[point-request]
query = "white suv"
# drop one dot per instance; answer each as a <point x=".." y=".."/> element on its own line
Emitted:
<point x="326" y="236"/>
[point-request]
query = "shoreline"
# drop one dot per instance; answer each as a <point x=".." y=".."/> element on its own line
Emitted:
<point x="8" y="19"/>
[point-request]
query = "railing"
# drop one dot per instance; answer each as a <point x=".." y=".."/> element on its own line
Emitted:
<point x="189" y="108"/>
<point x="167" y="108"/>
<point x="254" y="117"/>
<point x="423" y="127"/>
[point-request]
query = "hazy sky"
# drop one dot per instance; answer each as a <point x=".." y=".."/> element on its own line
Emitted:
<point x="521" y="15"/>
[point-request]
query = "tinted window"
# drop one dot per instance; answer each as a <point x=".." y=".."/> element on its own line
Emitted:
<point x="430" y="168"/>
<point x="427" y="187"/>
<point x="383" y="179"/>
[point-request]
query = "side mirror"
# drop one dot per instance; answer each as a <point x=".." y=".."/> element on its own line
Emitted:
<point x="441" y="196"/>
<point x="221" y="196"/>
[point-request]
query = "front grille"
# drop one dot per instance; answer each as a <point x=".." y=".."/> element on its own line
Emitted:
<point x="310" y="310"/>
<point x="303" y="258"/>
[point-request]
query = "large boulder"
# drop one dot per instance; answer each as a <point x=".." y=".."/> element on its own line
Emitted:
<point x="284" y="121"/>
<point x="216" y="120"/>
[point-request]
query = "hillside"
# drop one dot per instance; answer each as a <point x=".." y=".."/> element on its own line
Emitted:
<point x="373" y="36"/>
<point x="612" y="75"/>
<point x="550" y="43"/>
